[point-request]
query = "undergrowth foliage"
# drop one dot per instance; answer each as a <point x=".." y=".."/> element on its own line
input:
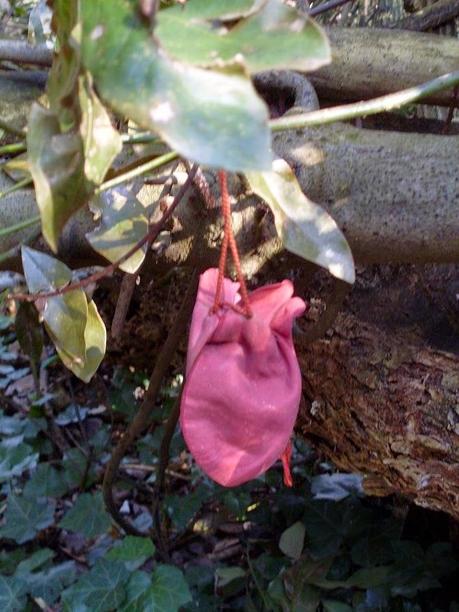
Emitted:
<point x="321" y="545"/>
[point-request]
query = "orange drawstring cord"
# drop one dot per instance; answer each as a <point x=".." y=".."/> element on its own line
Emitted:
<point x="286" y="458"/>
<point x="229" y="241"/>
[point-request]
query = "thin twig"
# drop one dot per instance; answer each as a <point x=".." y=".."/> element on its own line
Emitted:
<point x="141" y="419"/>
<point x="381" y="104"/>
<point x="164" y="451"/>
<point x="122" y="304"/>
<point x="327" y="6"/>
<point x="150" y="236"/>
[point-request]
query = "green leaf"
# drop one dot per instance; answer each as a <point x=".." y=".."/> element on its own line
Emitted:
<point x="75" y="469"/>
<point x="46" y="481"/>
<point x="56" y="164"/>
<point x="133" y="551"/>
<point x="101" y="142"/>
<point x="15" y="459"/>
<point x="74" y="326"/>
<point x="64" y="316"/>
<point x="28" y="331"/>
<point x="274" y="36"/>
<point x="167" y="591"/>
<point x="102" y="589"/>
<point x="34" y="561"/>
<point x="124" y="222"/>
<point x="214" y="117"/>
<point x="183" y="509"/>
<point x="12" y="594"/>
<point x="88" y="516"/>
<point x="305" y="228"/>
<point x="220" y="9"/>
<point x="72" y="144"/>
<point x="292" y="540"/>
<point x="25" y="517"/>
<point x="49" y="584"/>
<point x="95" y="339"/>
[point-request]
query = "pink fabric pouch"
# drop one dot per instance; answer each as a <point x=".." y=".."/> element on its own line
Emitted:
<point x="243" y="382"/>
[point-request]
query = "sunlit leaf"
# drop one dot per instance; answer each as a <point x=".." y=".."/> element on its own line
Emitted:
<point x="213" y="117"/>
<point x="74" y="326"/>
<point x="305" y="228"/>
<point x="124" y="222"/>
<point x="275" y="36"/>
<point x="95" y="339"/>
<point x="72" y="143"/>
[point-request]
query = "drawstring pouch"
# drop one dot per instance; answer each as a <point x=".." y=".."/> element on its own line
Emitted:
<point x="243" y="383"/>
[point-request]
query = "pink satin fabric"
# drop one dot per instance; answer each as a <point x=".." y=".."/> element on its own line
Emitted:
<point x="243" y="382"/>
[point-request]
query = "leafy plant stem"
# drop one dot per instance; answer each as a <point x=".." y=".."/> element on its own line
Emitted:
<point x="19" y="185"/>
<point x="139" y="138"/>
<point x="14" y="147"/>
<point x="150" y="236"/>
<point x="11" y="229"/>
<point x="153" y="164"/>
<point x="164" y="452"/>
<point x="142" y="417"/>
<point x="381" y="104"/>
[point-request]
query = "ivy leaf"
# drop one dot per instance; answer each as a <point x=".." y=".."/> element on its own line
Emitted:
<point x="15" y="459"/>
<point x="49" y="584"/>
<point x="166" y="591"/>
<point x="133" y="551"/>
<point x="273" y="36"/>
<point x="46" y="481"/>
<point x="74" y="326"/>
<point x="12" y="594"/>
<point x="88" y="516"/>
<point x="214" y="117"/>
<point x="25" y="517"/>
<point x="102" y="589"/>
<point x="292" y="540"/>
<point x="124" y="222"/>
<point x="34" y="561"/>
<point x="304" y="227"/>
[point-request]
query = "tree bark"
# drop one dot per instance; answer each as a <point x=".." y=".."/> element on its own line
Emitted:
<point x="382" y="388"/>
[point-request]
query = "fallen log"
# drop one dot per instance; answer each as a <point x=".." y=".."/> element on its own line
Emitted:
<point x="370" y="62"/>
<point x="382" y="388"/>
